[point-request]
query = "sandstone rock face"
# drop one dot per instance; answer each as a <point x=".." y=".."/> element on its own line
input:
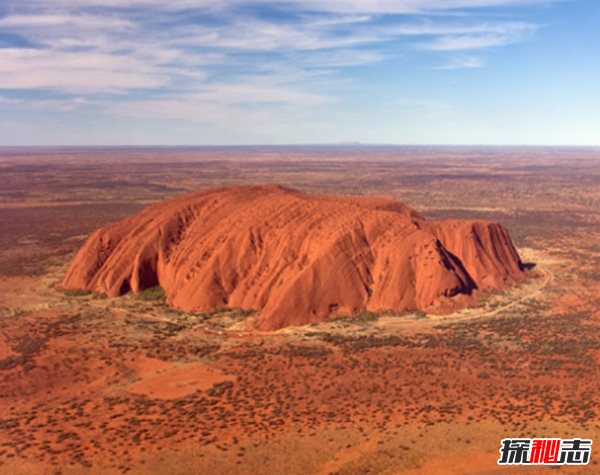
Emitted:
<point x="296" y="258"/>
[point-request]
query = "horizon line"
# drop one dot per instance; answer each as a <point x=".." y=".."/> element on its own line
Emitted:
<point x="324" y="144"/>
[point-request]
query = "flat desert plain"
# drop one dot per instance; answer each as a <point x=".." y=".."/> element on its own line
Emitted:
<point x="97" y="385"/>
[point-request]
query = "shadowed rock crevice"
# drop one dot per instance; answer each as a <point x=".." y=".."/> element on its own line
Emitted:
<point x="297" y="258"/>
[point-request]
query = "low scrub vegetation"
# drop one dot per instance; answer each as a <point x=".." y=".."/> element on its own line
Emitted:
<point x="151" y="294"/>
<point x="77" y="292"/>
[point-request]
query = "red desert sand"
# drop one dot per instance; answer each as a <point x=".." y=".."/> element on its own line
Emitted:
<point x="295" y="257"/>
<point x="167" y="380"/>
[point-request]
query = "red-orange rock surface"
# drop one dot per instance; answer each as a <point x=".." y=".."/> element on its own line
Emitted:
<point x="297" y="258"/>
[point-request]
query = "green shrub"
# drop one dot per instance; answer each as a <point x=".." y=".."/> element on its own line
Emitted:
<point x="241" y="313"/>
<point x="29" y="346"/>
<point x="77" y="292"/>
<point x="420" y="314"/>
<point x="11" y="362"/>
<point x="362" y="317"/>
<point x="218" y="389"/>
<point x="365" y="316"/>
<point x="152" y="294"/>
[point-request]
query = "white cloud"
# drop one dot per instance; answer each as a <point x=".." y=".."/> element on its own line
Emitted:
<point x="254" y="94"/>
<point x="229" y="114"/>
<point x="53" y="20"/>
<point x="28" y="68"/>
<point x="339" y="58"/>
<point x="425" y="105"/>
<point x="8" y="100"/>
<point x="251" y="34"/>
<point x="462" y="62"/>
<point x="59" y="105"/>
<point x="207" y="71"/>
<point x="430" y="28"/>
<point x="313" y="35"/>
<point x="258" y="105"/>
<point x="338" y="6"/>
<point x="403" y="6"/>
<point x="452" y="37"/>
<point x="409" y="6"/>
<point x="470" y="42"/>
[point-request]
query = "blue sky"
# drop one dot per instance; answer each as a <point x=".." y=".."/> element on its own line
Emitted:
<point x="204" y="72"/>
